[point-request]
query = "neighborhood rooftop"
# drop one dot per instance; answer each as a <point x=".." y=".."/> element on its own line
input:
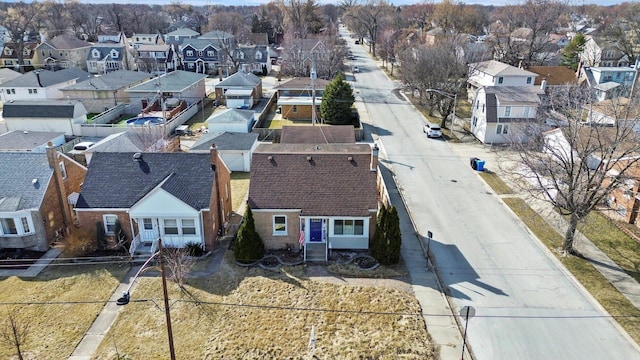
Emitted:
<point x="24" y="177"/>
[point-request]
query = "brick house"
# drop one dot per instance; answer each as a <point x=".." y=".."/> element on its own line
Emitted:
<point x="181" y="197"/>
<point x="325" y="197"/>
<point x="35" y="191"/>
<point x="295" y="98"/>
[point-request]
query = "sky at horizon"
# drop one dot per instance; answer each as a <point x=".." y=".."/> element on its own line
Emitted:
<point x="394" y="2"/>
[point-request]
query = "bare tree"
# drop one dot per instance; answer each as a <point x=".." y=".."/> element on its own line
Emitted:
<point x="84" y="20"/>
<point x="57" y="17"/>
<point x="386" y="49"/>
<point x="15" y="332"/>
<point x="179" y="265"/>
<point x="302" y="17"/>
<point x="20" y="20"/>
<point x="576" y="166"/>
<point x="371" y="17"/>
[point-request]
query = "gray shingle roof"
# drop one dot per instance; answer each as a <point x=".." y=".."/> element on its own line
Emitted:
<point x="493" y="67"/>
<point x="183" y="32"/>
<point x="105" y="51"/>
<point x="201" y="44"/>
<point x="231" y="116"/>
<point x="327" y="185"/>
<point x="17" y="172"/>
<point x="302" y="84"/>
<point x="67" y="42"/>
<point x="26" y="140"/>
<point x="116" y="180"/>
<point x="225" y="141"/>
<point x="176" y="81"/>
<point x="119" y="142"/>
<point x="110" y="81"/>
<point x="240" y="79"/>
<point x="47" y="78"/>
<point x="40" y="109"/>
<point x="335" y="134"/>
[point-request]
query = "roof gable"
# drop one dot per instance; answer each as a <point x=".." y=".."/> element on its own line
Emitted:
<point x="240" y="79"/>
<point x="187" y="176"/>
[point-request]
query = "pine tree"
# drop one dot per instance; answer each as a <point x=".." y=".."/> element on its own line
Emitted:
<point x="393" y="238"/>
<point x="571" y="53"/>
<point x="378" y="244"/>
<point x="249" y="246"/>
<point x="337" y="100"/>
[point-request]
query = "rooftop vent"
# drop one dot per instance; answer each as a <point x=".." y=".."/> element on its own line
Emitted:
<point x="308" y="158"/>
<point x="350" y="158"/>
<point x="269" y="157"/>
<point x="137" y="157"/>
<point x="34" y="181"/>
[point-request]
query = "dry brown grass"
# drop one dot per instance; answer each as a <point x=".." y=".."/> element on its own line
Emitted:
<point x="258" y="314"/>
<point x="61" y="304"/>
<point x="495" y="182"/>
<point x="239" y="189"/>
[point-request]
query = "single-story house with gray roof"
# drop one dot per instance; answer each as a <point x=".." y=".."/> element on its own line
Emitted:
<point x="180" y="85"/>
<point x="181" y="197"/>
<point x="231" y="120"/>
<point x="240" y="90"/>
<point x="32" y="141"/>
<point x="236" y="149"/>
<point x="104" y="92"/>
<point x="53" y="116"/>
<point x="41" y="84"/>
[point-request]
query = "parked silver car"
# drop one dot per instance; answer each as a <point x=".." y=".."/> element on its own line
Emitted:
<point x="432" y="130"/>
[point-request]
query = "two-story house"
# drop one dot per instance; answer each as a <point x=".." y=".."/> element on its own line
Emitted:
<point x="599" y="51"/>
<point x="608" y="82"/>
<point x="204" y="56"/>
<point x="9" y="57"/>
<point x="105" y="58"/>
<point x="253" y="53"/>
<point x="156" y="59"/>
<point x="40" y="84"/>
<point x="146" y="39"/>
<point x="62" y="52"/>
<point x="178" y="36"/>
<point x="501" y="113"/>
<point x="496" y="73"/>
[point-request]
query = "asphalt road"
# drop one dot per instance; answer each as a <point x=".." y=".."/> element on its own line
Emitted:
<point x="527" y="305"/>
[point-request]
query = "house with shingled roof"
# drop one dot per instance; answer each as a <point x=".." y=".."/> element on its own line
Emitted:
<point x="105" y="58"/>
<point x="52" y="115"/>
<point x="296" y="97"/>
<point x="157" y="59"/>
<point x="232" y="120"/>
<point x="333" y="134"/>
<point x="63" y="52"/>
<point x="32" y="141"/>
<point x="496" y="73"/>
<point x="106" y="91"/>
<point x="9" y="56"/>
<point x="253" y="53"/>
<point x="183" y="198"/>
<point x="40" y="85"/>
<point x="240" y="90"/>
<point x="325" y="197"/>
<point x="177" y="36"/>
<point x="501" y="113"/>
<point x="35" y="191"/>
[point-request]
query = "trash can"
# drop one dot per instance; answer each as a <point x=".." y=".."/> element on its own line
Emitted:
<point x="480" y="165"/>
<point x="472" y="162"/>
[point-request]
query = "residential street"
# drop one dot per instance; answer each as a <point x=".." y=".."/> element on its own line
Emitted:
<point x="527" y="305"/>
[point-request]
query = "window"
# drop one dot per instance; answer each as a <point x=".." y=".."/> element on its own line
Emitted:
<point x="477" y="104"/>
<point x="241" y="55"/>
<point x="200" y="53"/>
<point x="110" y="223"/>
<point x="483" y="108"/>
<point x="188" y="227"/>
<point x="258" y="55"/>
<point x="25" y="224"/>
<point x="63" y="169"/>
<point x="147" y="223"/>
<point x="526" y="111"/>
<point x="170" y="226"/>
<point x="348" y="227"/>
<point x="279" y="225"/>
<point x="507" y="111"/>
<point x="529" y="80"/>
<point x="189" y="52"/>
<point x="475" y="121"/>
<point x="295" y="108"/>
<point x="8" y="226"/>
<point x="211" y="53"/>
<point x="500" y="80"/>
<point x="502" y="129"/>
<point x="190" y="66"/>
<point x="7" y="51"/>
<point x="33" y="91"/>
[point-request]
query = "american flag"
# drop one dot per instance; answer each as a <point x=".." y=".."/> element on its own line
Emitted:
<point x="301" y="238"/>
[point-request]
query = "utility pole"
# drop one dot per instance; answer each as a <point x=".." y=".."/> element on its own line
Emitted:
<point x="167" y="312"/>
<point x="314" y="76"/>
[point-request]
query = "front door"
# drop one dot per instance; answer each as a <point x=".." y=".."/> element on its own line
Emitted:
<point x="315" y="230"/>
<point x="149" y="230"/>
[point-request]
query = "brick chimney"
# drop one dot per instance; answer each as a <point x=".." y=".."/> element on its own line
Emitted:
<point x="374" y="158"/>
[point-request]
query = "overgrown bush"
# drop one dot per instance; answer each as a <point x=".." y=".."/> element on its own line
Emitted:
<point x="249" y="246"/>
<point x="79" y="242"/>
<point x="122" y="240"/>
<point x="193" y="249"/>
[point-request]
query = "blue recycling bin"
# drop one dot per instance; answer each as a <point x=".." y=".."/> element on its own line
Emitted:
<point x="480" y="165"/>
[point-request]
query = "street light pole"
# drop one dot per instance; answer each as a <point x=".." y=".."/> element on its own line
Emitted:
<point x="167" y="312"/>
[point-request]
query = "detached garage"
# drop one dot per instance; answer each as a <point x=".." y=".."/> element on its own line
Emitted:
<point x="235" y="149"/>
<point x="231" y="120"/>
